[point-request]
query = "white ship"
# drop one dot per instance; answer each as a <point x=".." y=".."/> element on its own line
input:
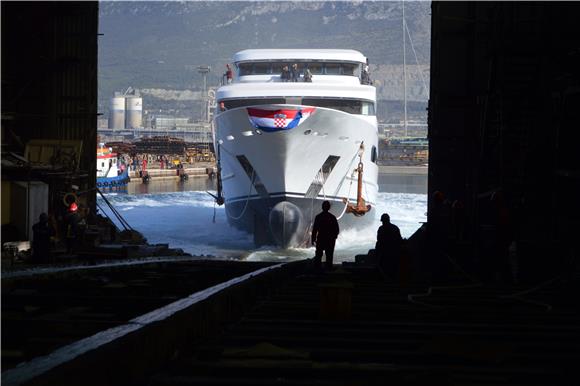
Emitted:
<point x="284" y="147"/>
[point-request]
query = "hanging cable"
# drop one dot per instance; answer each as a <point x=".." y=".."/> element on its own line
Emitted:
<point x="475" y="283"/>
<point x="112" y="222"/>
<point x="347" y="201"/>
<point x="247" y="199"/>
<point x="518" y="295"/>
<point x="115" y="212"/>
<point x="214" y="210"/>
<point x="416" y="59"/>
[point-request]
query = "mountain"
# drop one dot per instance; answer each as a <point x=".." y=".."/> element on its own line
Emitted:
<point x="157" y="46"/>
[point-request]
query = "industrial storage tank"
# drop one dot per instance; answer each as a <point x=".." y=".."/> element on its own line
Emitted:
<point x="117" y="113"/>
<point x="133" y="112"/>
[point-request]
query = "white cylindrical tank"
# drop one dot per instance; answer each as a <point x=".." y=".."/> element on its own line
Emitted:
<point x="117" y="113"/>
<point x="133" y="112"/>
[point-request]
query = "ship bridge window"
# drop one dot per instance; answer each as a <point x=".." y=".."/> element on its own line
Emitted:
<point x="262" y="68"/>
<point x="351" y="106"/>
<point x="277" y="67"/>
<point x="316" y="68"/>
<point x="332" y="68"/>
<point x="235" y="103"/>
<point x="245" y="69"/>
<point x="349" y="69"/>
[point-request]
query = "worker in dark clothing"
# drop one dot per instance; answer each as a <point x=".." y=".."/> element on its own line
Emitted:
<point x="285" y="76"/>
<point x="72" y="227"/>
<point x="324" y="233"/>
<point x="41" y="233"/>
<point x="295" y="73"/>
<point x="388" y="246"/>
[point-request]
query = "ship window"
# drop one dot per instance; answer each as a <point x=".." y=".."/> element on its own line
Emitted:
<point x="245" y="69"/>
<point x="102" y="164"/>
<point x="261" y="68"/>
<point x="374" y="154"/>
<point x="332" y="68"/>
<point x="368" y="108"/>
<point x="348" y="69"/>
<point x="235" y="103"/>
<point x="315" y="68"/>
<point x="351" y="106"/>
<point x="277" y="67"/>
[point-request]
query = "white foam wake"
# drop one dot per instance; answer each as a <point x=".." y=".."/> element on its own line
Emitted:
<point x="185" y="220"/>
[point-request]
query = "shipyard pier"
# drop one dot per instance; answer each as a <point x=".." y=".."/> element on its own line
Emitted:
<point x="483" y="292"/>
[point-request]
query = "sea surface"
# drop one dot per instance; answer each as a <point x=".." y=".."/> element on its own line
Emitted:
<point x="184" y="216"/>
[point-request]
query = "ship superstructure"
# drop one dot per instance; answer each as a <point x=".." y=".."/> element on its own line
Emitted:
<point x="284" y="147"/>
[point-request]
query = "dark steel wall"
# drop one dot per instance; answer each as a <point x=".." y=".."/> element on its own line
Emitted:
<point x="505" y="92"/>
<point x="49" y="74"/>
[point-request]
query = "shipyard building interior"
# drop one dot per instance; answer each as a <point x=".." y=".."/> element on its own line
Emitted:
<point x="502" y="121"/>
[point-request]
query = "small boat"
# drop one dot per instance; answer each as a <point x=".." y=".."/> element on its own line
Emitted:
<point x="110" y="172"/>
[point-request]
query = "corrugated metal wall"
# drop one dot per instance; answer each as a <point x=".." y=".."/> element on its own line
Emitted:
<point x="504" y="83"/>
<point x="49" y="74"/>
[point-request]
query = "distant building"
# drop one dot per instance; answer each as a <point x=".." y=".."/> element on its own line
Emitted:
<point x="166" y="122"/>
<point x="126" y="110"/>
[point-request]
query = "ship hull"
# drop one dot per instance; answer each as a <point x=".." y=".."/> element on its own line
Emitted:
<point x="275" y="182"/>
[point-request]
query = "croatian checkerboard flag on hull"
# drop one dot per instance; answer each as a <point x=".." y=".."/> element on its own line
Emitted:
<point x="277" y="120"/>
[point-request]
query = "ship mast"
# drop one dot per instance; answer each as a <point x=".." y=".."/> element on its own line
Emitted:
<point x="404" y="72"/>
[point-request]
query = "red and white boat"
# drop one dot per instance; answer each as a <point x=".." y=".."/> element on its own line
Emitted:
<point x="110" y="172"/>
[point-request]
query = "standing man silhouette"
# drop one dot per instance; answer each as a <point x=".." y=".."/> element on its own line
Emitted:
<point x="388" y="246"/>
<point x="324" y="234"/>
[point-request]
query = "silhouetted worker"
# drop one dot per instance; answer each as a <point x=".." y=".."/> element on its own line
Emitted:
<point x="324" y="234"/>
<point x="41" y="233"/>
<point x="388" y="246"/>
<point x="72" y="227"/>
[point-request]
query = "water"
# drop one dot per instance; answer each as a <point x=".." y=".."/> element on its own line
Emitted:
<point x="182" y="215"/>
